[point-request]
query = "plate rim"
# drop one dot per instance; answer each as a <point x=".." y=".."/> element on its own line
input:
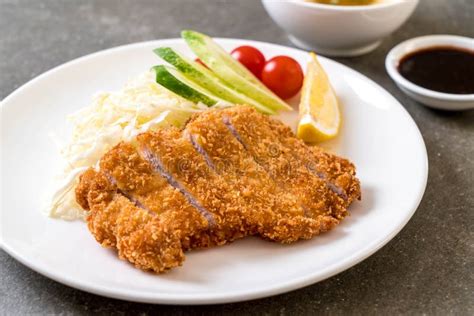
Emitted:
<point x="216" y="298"/>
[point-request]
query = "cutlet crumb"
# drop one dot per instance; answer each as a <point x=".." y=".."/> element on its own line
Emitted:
<point x="230" y="173"/>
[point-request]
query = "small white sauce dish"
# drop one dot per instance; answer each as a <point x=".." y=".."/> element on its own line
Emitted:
<point x="431" y="98"/>
<point x="336" y="30"/>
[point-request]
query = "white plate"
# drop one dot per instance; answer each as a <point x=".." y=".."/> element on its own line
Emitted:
<point x="378" y="135"/>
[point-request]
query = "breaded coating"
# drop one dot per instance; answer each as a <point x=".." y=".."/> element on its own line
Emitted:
<point x="339" y="171"/>
<point x="273" y="211"/>
<point x="137" y="212"/>
<point x="289" y="170"/>
<point x="228" y="174"/>
<point x="214" y="197"/>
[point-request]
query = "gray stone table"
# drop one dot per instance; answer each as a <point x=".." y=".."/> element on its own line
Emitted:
<point x="428" y="268"/>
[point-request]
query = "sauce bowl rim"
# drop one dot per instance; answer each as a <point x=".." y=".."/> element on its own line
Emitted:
<point x="412" y="45"/>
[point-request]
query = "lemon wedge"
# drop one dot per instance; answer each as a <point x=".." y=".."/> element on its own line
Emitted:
<point x="319" y="110"/>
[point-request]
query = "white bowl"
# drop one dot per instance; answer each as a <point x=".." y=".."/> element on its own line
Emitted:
<point x="434" y="99"/>
<point x="339" y="30"/>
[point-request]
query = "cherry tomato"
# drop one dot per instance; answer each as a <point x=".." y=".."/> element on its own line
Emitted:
<point x="283" y="75"/>
<point x="251" y="58"/>
<point x="200" y="62"/>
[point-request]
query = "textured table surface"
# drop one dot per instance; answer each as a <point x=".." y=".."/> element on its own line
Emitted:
<point x="428" y="268"/>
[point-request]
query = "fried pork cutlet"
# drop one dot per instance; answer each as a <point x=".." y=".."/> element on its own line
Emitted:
<point x="229" y="173"/>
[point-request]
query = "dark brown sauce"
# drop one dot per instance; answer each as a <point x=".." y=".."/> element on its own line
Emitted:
<point x="442" y="68"/>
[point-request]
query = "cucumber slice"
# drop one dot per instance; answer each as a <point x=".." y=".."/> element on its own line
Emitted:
<point x="231" y="71"/>
<point x="205" y="78"/>
<point x="224" y="56"/>
<point x="173" y="81"/>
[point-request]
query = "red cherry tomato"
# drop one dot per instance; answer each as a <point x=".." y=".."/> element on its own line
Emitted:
<point x="283" y="75"/>
<point x="251" y="58"/>
<point x="200" y="62"/>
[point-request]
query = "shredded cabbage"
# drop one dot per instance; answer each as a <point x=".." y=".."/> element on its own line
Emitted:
<point x="112" y="117"/>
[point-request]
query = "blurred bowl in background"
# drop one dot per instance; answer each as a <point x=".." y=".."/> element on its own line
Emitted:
<point x="336" y="30"/>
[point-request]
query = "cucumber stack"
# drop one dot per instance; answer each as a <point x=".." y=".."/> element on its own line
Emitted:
<point x="226" y="81"/>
